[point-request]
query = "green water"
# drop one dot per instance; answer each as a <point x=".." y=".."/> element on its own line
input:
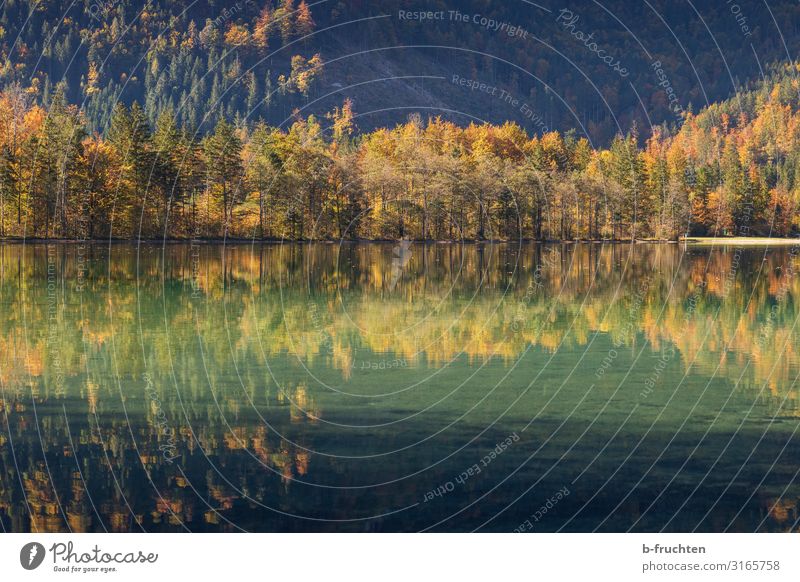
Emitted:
<point x="398" y="388"/>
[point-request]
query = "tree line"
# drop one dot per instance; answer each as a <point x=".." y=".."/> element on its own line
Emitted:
<point x="729" y="170"/>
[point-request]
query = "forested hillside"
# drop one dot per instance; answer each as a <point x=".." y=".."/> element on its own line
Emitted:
<point x="730" y="169"/>
<point x="254" y="60"/>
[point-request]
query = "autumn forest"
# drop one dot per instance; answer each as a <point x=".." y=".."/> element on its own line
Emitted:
<point x="730" y="170"/>
<point x="79" y="161"/>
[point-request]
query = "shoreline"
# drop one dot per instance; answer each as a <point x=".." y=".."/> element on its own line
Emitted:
<point x="693" y="241"/>
<point x="741" y="241"/>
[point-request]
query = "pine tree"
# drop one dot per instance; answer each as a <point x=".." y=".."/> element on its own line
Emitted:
<point x="129" y="136"/>
<point x="9" y="184"/>
<point x="263" y="29"/>
<point x="166" y="173"/>
<point x="304" y="23"/>
<point x="285" y="16"/>
<point x="262" y="172"/>
<point x="61" y="150"/>
<point x="252" y="94"/>
<point x="223" y="151"/>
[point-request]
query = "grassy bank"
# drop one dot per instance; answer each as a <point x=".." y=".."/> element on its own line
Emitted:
<point x="740" y="241"/>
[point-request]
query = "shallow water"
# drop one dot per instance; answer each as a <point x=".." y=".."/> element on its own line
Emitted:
<point x="398" y="388"/>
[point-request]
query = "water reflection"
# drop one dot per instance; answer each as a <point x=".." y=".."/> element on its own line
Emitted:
<point x="326" y="387"/>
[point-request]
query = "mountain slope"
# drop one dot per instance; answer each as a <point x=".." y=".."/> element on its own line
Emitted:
<point x="257" y="59"/>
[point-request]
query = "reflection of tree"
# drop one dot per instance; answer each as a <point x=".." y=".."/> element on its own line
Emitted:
<point x="327" y="304"/>
<point x="484" y="302"/>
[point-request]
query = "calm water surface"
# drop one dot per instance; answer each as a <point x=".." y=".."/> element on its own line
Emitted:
<point x="398" y="388"/>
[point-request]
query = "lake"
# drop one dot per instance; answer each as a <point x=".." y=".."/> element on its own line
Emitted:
<point x="399" y="387"/>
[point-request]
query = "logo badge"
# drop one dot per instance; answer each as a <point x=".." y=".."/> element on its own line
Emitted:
<point x="31" y="555"/>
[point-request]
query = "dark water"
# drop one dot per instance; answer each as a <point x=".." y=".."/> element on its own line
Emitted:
<point x="397" y="388"/>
